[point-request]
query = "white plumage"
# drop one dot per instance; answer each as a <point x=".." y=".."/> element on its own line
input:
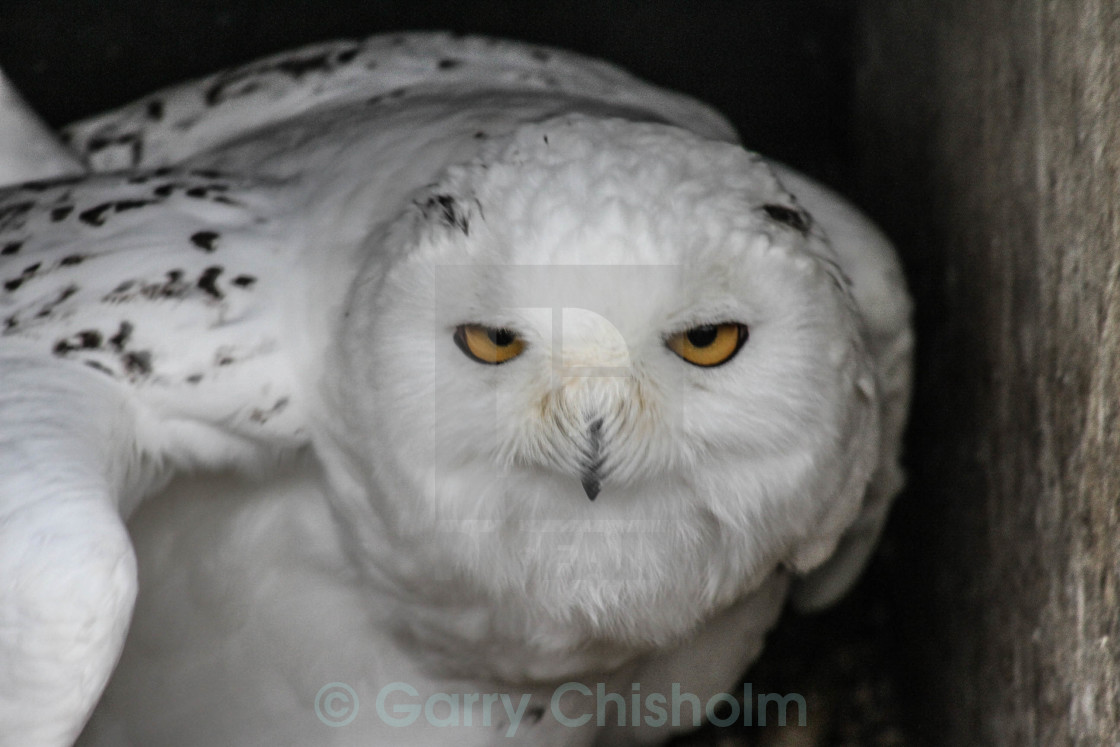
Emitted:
<point x="279" y="309"/>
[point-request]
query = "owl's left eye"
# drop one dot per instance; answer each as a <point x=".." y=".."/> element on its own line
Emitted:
<point x="709" y="344"/>
<point x="492" y="345"/>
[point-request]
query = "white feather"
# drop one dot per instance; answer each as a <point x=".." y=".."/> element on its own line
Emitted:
<point x="28" y="149"/>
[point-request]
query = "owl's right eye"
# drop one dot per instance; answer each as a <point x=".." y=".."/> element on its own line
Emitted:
<point x="709" y="345"/>
<point x="491" y="345"/>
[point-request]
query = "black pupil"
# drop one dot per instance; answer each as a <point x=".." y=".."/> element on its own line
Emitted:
<point x="702" y="337"/>
<point x="500" y="337"/>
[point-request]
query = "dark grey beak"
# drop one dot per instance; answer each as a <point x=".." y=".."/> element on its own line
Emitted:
<point x="593" y="459"/>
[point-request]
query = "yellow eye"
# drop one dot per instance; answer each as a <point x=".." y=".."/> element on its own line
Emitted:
<point x="710" y="344"/>
<point x="491" y="345"/>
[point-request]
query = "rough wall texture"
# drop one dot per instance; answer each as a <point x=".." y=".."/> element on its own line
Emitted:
<point x="989" y="142"/>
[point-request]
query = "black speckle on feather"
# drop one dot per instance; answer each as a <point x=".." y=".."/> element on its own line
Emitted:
<point x="61" y="212"/>
<point x="244" y="281"/>
<point x="42" y="185"/>
<point x="99" y="367"/>
<point x="263" y="416"/>
<point x="14" y="216"/>
<point x="450" y="64"/>
<point x="450" y="213"/>
<point x="298" y="67"/>
<point x="208" y="282"/>
<point x="121" y="338"/>
<point x="205" y="240"/>
<point x="129" y="290"/>
<point x="89" y="339"/>
<point x="793" y="217"/>
<point x="71" y="260"/>
<point x="137" y="362"/>
<point x="49" y="307"/>
<point x="95" y="216"/>
<point x="98" y="142"/>
<point x="17" y="208"/>
<point x="245" y="82"/>
<point x="174" y="287"/>
<point x="11" y="248"/>
<point x="122" y="205"/>
<point x="230" y="91"/>
<point x="154" y="110"/>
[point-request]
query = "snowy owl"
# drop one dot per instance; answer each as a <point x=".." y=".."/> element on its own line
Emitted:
<point x="454" y="391"/>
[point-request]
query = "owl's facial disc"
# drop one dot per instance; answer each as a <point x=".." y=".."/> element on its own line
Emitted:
<point x="610" y="385"/>
<point x="497" y="345"/>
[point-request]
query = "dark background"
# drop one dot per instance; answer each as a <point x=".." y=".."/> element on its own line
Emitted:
<point x="780" y="69"/>
<point x="785" y="73"/>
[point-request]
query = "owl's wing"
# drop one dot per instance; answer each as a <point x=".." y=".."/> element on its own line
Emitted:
<point x="138" y="334"/>
<point x="868" y="260"/>
<point x="182" y="121"/>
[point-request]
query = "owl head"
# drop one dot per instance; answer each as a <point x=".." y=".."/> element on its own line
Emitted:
<point x="606" y="373"/>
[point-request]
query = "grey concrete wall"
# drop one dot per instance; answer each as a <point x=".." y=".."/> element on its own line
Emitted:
<point x="988" y="145"/>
